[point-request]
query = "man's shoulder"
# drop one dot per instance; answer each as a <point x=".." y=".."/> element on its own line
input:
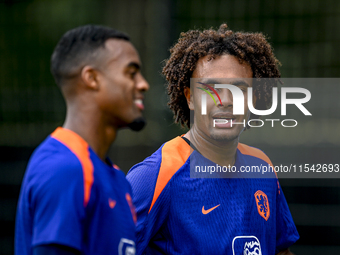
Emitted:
<point x="52" y="158"/>
<point x="171" y="155"/>
<point x="149" y="179"/>
<point x="250" y="151"/>
<point x="53" y="170"/>
<point x="154" y="173"/>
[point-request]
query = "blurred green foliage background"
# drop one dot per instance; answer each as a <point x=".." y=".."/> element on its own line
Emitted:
<point x="305" y="36"/>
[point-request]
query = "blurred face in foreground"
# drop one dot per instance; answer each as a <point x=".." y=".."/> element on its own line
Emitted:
<point x="209" y="69"/>
<point x="122" y="84"/>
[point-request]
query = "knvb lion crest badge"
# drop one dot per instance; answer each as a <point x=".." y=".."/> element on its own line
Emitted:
<point x="262" y="204"/>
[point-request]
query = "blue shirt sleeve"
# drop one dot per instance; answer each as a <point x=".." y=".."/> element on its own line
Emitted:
<point x="143" y="178"/>
<point x="286" y="231"/>
<point x="57" y="201"/>
<point x="54" y="250"/>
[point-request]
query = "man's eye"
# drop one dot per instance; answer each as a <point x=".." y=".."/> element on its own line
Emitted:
<point x="133" y="74"/>
<point x="209" y="88"/>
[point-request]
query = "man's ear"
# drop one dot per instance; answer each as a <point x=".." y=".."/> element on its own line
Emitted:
<point x="188" y="96"/>
<point x="89" y="77"/>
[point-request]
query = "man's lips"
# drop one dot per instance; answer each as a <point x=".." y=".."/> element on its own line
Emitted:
<point x="139" y="104"/>
<point x="223" y="116"/>
<point x="223" y="120"/>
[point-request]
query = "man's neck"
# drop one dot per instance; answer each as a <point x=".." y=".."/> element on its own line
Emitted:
<point x="220" y="152"/>
<point x="89" y="127"/>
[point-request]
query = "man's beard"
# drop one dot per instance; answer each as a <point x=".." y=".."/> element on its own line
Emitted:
<point x="138" y="124"/>
<point x="224" y="138"/>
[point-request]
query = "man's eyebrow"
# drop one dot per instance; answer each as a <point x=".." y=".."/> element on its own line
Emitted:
<point x="134" y="65"/>
<point x="220" y="81"/>
<point x="211" y="81"/>
<point x="240" y="83"/>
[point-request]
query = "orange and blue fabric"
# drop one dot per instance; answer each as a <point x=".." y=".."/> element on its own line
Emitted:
<point x="70" y="197"/>
<point x="179" y="214"/>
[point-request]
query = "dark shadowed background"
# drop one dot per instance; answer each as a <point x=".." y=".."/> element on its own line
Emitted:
<point x="305" y="36"/>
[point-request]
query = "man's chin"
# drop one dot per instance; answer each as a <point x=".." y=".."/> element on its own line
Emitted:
<point x="137" y="124"/>
<point x="222" y="137"/>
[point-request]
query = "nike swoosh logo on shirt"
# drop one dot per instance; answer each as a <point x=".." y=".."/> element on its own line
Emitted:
<point x="209" y="210"/>
<point x="112" y="203"/>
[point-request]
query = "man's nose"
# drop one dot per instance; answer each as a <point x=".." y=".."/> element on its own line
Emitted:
<point x="142" y="84"/>
<point x="226" y="98"/>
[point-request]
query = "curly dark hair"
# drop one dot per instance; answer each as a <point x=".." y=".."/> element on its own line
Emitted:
<point x="251" y="48"/>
